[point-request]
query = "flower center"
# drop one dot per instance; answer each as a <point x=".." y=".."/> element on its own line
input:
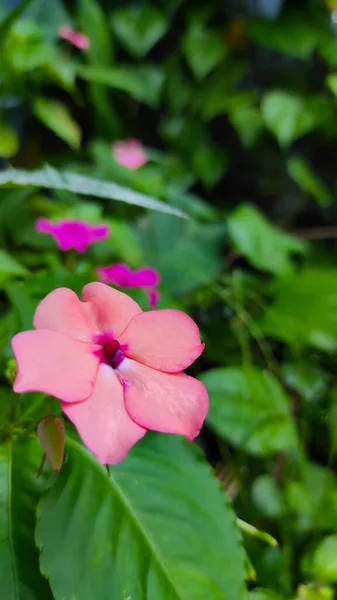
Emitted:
<point x="113" y="355"/>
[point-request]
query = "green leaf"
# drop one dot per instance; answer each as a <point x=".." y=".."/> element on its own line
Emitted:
<point x="139" y="28"/>
<point x="9" y="141"/>
<point x="325" y="559"/>
<point x="303" y="310"/>
<point x="331" y="82"/>
<point x="159" y="527"/>
<point x="12" y="17"/>
<point x="247" y="122"/>
<point x="290" y="34"/>
<point x="250" y="409"/>
<point x="9" y="267"/>
<point x="264" y="594"/>
<point x="56" y="116"/>
<point x="308" y="181"/>
<point x="49" y="177"/>
<point x="204" y="49"/>
<point x="289" y="116"/>
<point x="210" y="163"/>
<point x="93" y="21"/>
<point x="19" y="565"/>
<point x="265" y="246"/>
<point x="144" y="83"/>
<point x="268" y="498"/>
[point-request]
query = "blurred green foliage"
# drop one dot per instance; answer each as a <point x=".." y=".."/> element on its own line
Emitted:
<point x="236" y="104"/>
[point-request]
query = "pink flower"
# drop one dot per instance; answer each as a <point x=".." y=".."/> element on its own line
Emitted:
<point x="73" y="234"/>
<point x="116" y="369"/>
<point x="121" y="275"/>
<point x="129" y="153"/>
<point x="76" y="38"/>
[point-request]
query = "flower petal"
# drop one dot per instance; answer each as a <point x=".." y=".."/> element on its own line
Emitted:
<point x="102" y="421"/>
<point x="62" y="311"/>
<point x="167" y="402"/>
<point x="145" y="277"/>
<point x="98" y="232"/>
<point x="52" y="363"/>
<point x="118" y="274"/>
<point x="112" y="310"/>
<point x="167" y="340"/>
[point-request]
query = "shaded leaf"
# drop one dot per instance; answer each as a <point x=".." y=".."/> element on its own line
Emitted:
<point x="250" y="409"/>
<point x="50" y="431"/>
<point x="290" y="34"/>
<point x="9" y="141"/>
<point x="9" y="267"/>
<point x="159" y="527"/>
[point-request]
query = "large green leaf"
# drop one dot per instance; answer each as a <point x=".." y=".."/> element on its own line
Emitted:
<point x="19" y="491"/>
<point x="158" y="528"/>
<point x="304" y="310"/>
<point x="49" y="177"/>
<point x="139" y="28"/>
<point x="250" y="409"/>
<point x="290" y="34"/>
<point x="265" y="246"/>
<point x="9" y="267"/>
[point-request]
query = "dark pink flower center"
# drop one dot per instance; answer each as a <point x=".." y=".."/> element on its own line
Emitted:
<point x="113" y="355"/>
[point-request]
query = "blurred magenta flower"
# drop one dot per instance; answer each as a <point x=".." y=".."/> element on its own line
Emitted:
<point x="116" y="369"/>
<point x="120" y="274"/>
<point x="74" y="234"/>
<point x="76" y="38"/>
<point x="129" y="153"/>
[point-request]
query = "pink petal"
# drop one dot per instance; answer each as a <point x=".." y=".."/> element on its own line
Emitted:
<point x="118" y="274"/>
<point x="102" y="421"/>
<point x="52" y="363"/>
<point x="167" y="340"/>
<point x="167" y="402"/>
<point x="112" y="310"/>
<point x="130" y="153"/>
<point x="99" y="232"/>
<point x="76" y="38"/>
<point x="43" y="225"/>
<point x="62" y="311"/>
<point x="144" y="277"/>
<point x="153" y="296"/>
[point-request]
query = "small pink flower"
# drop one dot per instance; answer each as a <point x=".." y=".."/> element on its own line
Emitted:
<point x="73" y="234"/>
<point x="116" y="369"/>
<point x="76" y="38"/>
<point x="120" y="274"/>
<point x="129" y="153"/>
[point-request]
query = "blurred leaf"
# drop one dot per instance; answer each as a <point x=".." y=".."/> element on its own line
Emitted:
<point x="268" y="498"/>
<point x="307" y="180"/>
<point x="265" y="246"/>
<point x="80" y="184"/>
<point x="331" y="81"/>
<point x="303" y="311"/>
<point x="133" y="532"/>
<point x="214" y="98"/>
<point x="247" y="122"/>
<point x="9" y="267"/>
<point x="263" y="594"/>
<point x="139" y="28"/>
<point x="313" y="499"/>
<point x="56" y="116"/>
<point x="12" y="17"/>
<point x="9" y="141"/>
<point x="325" y="559"/>
<point x="210" y="164"/>
<point x="22" y="303"/>
<point x="250" y="409"/>
<point x="290" y="34"/>
<point x="289" y="116"/>
<point x="309" y="381"/>
<point x="93" y="21"/>
<point x="269" y="8"/>
<point x="204" y="49"/>
<point x="144" y="82"/>
<point x="174" y="248"/>
<point x="19" y="566"/>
